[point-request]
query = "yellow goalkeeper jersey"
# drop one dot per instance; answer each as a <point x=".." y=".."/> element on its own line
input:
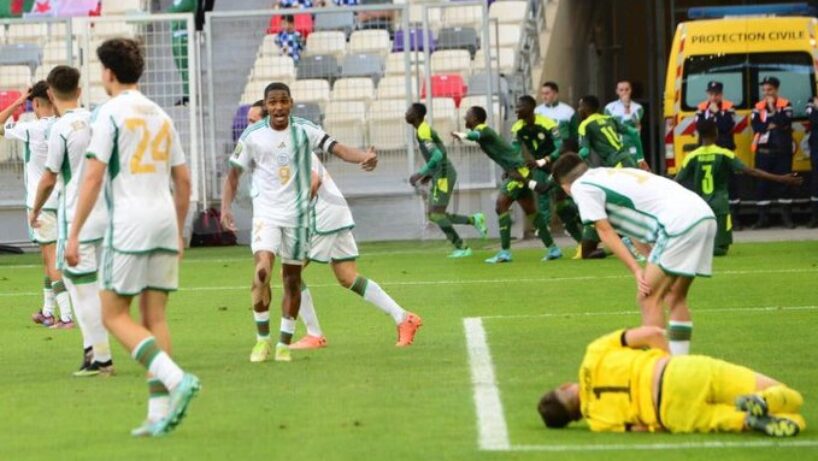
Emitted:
<point x="615" y="385"/>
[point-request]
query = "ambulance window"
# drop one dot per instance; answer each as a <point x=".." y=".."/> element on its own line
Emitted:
<point x="793" y="69"/>
<point x="728" y="69"/>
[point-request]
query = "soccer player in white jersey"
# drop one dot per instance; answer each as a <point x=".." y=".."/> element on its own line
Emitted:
<point x="136" y="154"/>
<point x="67" y="145"/>
<point x="277" y="151"/>
<point x="33" y="135"/>
<point x="332" y="242"/>
<point x="556" y="110"/>
<point x="629" y="113"/>
<point x="679" y="225"/>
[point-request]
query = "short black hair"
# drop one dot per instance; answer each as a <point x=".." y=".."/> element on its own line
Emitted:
<point x="552" y="85"/>
<point x="624" y="80"/>
<point x="527" y="100"/>
<point x="288" y="18"/>
<point x="277" y="86"/>
<point x="39" y="90"/>
<point x="419" y="109"/>
<point x="553" y="412"/>
<point x="565" y="165"/>
<point x="63" y="81"/>
<point x="707" y="129"/>
<point x="591" y="101"/>
<point x="124" y="58"/>
<point x="479" y="113"/>
<point x="259" y="103"/>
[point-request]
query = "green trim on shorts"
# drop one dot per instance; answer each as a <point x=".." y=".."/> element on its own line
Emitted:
<point x="39" y="242"/>
<point x="349" y="258"/>
<point x="92" y="241"/>
<point x="334" y="231"/>
<point x="147" y="252"/>
<point x="318" y="261"/>
<point x="81" y="278"/>
<point x="164" y="290"/>
<point x="689" y="228"/>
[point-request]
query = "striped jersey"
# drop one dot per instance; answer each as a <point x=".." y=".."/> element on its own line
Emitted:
<point x="280" y="165"/>
<point x="628" y="115"/>
<point x="638" y="204"/>
<point x="137" y="140"/>
<point x="34" y="135"/>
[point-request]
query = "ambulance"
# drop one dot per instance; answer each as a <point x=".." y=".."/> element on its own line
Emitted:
<point x="739" y="51"/>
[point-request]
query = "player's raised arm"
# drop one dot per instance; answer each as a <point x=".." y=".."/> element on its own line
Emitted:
<point x="646" y="336"/>
<point x="788" y="179"/>
<point x="89" y="191"/>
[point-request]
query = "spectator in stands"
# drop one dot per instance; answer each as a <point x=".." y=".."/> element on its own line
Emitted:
<point x="256" y="112"/>
<point x="772" y="144"/>
<point x="558" y="111"/>
<point x="289" y="39"/>
<point x="293" y="4"/>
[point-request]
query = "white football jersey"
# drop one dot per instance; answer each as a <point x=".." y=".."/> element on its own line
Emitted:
<point x="330" y="211"/>
<point x="34" y="135"/>
<point x="279" y="162"/>
<point x="560" y="112"/>
<point x="67" y="145"/>
<point x="138" y="142"/>
<point x="639" y="204"/>
<point x="630" y="115"/>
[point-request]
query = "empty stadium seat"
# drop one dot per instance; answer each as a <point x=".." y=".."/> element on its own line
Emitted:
<point x="95" y="72"/>
<point x="308" y="110"/>
<point x="7" y="98"/>
<point x="27" y="33"/>
<point x="479" y="85"/>
<point x="269" y="47"/>
<point x="26" y="54"/>
<point x="303" y="24"/>
<point x="56" y="52"/>
<point x="452" y="38"/>
<point x="387" y="126"/>
<point x="110" y="7"/>
<point x="396" y="65"/>
<point x="344" y="20"/>
<point x="394" y="87"/>
<point x="471" y="16"/>
<point x="446" y="86"/>
<point x="416" y="15"/>
<point x="417" y="40"/>
<point x="274" y="68"/>
<point x="353" y="89"/>
<point x="505" y="64"/>
<point x="321" y="66"/>
<point x="253" y="91"/>
<point x="362" y="65"/>
<point x="312" y="90"/>
<point x="15" y="76"/>
<point x="110" y="29"/>
<point x="374" y="41"/>
<point x="344" y="120"/>
<point x="508" y="12"/>
<point x="481" y="101"/>
<point x="452" y="61"/>
<point x="326" y="43"/>
<point x="505" y="35"/>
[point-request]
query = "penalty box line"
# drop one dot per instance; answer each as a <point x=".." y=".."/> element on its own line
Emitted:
<point x="492" y="429"/>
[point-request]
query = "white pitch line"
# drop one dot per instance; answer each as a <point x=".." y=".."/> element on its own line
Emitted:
<point x="635" y="312"/>
<point x="492" y="432"/>
<point x="668" y="446"/>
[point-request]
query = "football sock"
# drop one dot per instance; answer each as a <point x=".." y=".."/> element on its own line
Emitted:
<point x="287" y="330"/>
<point x="63" y="300"/>
<point x="782" y="399"/>
<point x="373" y="293"/>
<point x="48" y="297"/>
<point x="158" y="400"/>
<point x="569" y="216"/>
<point x="262" y="324"/>
<point x="89" y="316"/>
<point x="460" y="219"/>
<point x="72" y="292"/>
<point x="679" y="334"/>
<point x="442" y="220"/>
<point x="159" y="363"/>
<point x="540" y="223"/>
<point x="505" y="230"/>
<point x="307" y="313"/>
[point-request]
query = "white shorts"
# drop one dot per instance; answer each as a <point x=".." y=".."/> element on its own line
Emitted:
<point x="86" y="270"/>
<point x="337" y="246"/>
<point x="47" y="232"/>
<point x="689" y="254"/>
<point x="290" y="244"/>
<point x="130" y="274"/>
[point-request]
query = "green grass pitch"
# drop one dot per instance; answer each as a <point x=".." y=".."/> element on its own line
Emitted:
<point x="361" y="398"/>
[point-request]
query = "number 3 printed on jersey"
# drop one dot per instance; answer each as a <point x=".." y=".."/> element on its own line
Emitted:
<point x="159" y="144"/>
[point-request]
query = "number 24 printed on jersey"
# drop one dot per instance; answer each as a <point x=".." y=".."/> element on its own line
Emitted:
<point x="160" y="145"/>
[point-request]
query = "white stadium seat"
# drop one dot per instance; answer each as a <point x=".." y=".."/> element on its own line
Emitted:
<point x="345" y="120"/>
<point x="269" y="67"/>
<point x="269" y="47"/>
<point x="505" y="65"/>
<point x="375" y="41"/>
<point x="253" y="91"/>
<point x="395" y="65"/>
<point x="15" y="77"/>
<point x="471" y="16"/>
<point x="452" y="62"/>
<point x="110" y="7"/>
<point x="508" y="12"/>
<point x="444" y="117"/>
<point x="326" y="42"/>
<point x="109" y="29"/>
<point x="311" y="90"/>
<point x="507" y="36"/>
<point x="386" y="123"/>
<point x="354" y="89"/>
<point x="394" y="87"/>
<point x="416" y="15"/>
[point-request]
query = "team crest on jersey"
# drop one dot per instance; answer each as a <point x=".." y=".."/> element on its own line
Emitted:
<point x="541" y="135"/>
<point x="282" y="159"/>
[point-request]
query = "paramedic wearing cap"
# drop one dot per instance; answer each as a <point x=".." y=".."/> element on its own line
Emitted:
<point x="772" y="144"/>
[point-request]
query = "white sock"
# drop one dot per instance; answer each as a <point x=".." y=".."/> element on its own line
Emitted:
<point x="158" y="400"/>
<point x="261" y="318"/>
<point x="63" y="300"/>
<point x="159" y="363"/>
<point x="74" y="294"/>
<point x="375" y="295"/>
<point x="308" y="315"/>
<point x="48" y="302"/>
<point x="89" y="315"/>
<point x="287" y="327"/>
<point x="679" y="334"/>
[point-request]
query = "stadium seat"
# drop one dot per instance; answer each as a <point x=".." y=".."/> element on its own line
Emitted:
<point x="374" y="41"/>
<point x="479" y="85"/>
<point x="481" y="101"/>
<point x="362" y="65"/>
<point x="253" y="91"/>
<point x="353" y="89"/>
<point x="394" y="87"/>
<point x="344" y="120"/>
<point x="344" y="20"/>
<point x="326" y="43"/>
<point x="444" y="117"/>
<point x="8" y="150"/>
<point x="416" y="16"/>
<point x="505" y="35"/>
<point x="269" y="47"/>
<point x="303" y="25"/>
<point x="95" y="72"/>
<point x="387" y="126"/>
<point x="453" y="38"/>
<point x="56" y="52"/>
<point x="27" y="33"/>
<point x="26" y="54"/>
<point x="110" y="29"/>
<point x="417" y="40"/>
<point x="446" y="86"/>
<point x="240" y="121"/>
<point x="451" y="61"/>
<point x="467" y="16"/>
<point x="508" y="12"/>
<point x="321" y="66"/>
<point x="312" y="90"/>
<point x="396" y="65"/>
<point x="505" y="65"/>
<point x="376" y="19"/>
<point x="97" y="95"/>
<point x="111" y="7"/>
<point x="91" y="51"/>
<point x="274" y="68"/>
<point x="41" y="73"/>
<point x="7" y="97"/>
<point x="15" y="76"/>
<point x="308" y="110"/>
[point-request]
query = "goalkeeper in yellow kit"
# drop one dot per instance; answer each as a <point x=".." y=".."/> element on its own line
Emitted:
<point x="629" y="382"/>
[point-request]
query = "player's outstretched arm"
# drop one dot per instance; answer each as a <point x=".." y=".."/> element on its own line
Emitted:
<point x="181" y="199"/>
<point x="44" y="188"/>
<point x="646" y="336"/>
<point x="89" y="191"/>
<point x="231" y="184"/>
<point x="611" y="239"/>
<point x="368" y="159"/>
<point x="789" y="179"/>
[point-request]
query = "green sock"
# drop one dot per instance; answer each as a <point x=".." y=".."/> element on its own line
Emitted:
<point x="505" y="230"/>
<point x="569" y="216"/>
<point x="146" y="351"/>
<point x="460" y="219"/>
<point x="359" y="285"/>
<point x="541" y="224"/>
<point x="442" y="220"/>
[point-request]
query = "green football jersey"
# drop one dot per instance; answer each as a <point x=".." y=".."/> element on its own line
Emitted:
<point x="541" y="139"/>
<point x="497" y="149"/>
<point x="602" y="134"/>
<point x="434" y="153"/>
<point x="707" y="171"/>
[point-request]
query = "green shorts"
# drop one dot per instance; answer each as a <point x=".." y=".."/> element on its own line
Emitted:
<point x="623" y="159"/>
<point x="589" y="233"/>
<point x="724" y="230"/>
<point x="515" y="190"/>
<point x="442" y="190"/>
